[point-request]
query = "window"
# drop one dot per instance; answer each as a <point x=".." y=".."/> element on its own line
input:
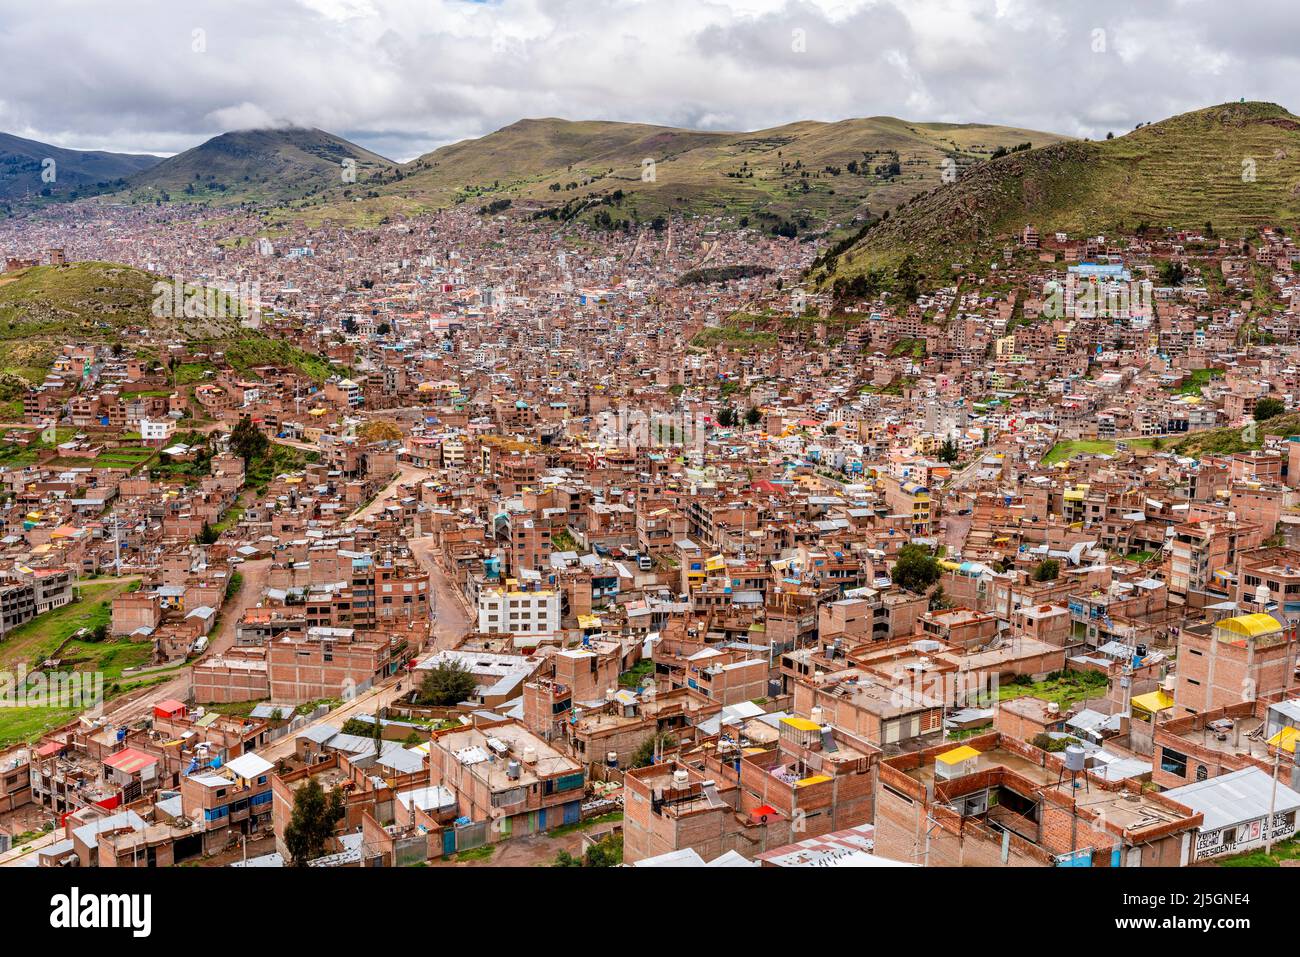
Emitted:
<point x="1202" y="772"/>
<point x="1173" y="762"/>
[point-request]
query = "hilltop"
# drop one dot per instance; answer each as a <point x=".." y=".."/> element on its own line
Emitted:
<point x="45" y="307"/>
<point x="803" y="173"/>
<point x="75" y="172"/>
<point x="1236" y="166"/>
<point x="271" y="165"/>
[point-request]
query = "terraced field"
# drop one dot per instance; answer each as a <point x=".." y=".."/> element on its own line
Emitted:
<point x="1235" y="166"/>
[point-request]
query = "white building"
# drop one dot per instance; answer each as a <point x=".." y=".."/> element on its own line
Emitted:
<point x="515" y="612"/>
<point x="1242" y="810"/>
<point x="159" y="430"/>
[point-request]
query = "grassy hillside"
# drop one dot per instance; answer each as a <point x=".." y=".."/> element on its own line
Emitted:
<point x="1229" y="440"/>
<point x="797" y="173"/>
<point x="262" y="166"/>
<point x="45" y="307"/>
<point x="1182" y="172"/>
<point x="74" y="172"/>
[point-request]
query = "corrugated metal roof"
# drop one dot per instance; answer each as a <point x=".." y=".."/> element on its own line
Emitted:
<point x="1235" y="798"/>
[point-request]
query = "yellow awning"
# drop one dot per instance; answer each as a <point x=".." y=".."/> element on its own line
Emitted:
<point x="1153" y="701"/>
<point x="815" y="779"/>
<point x="1285" y="739"/>
<point x="1251" y="626"/>
<point x="956" y="755"/>
<point x="801" y="724"/>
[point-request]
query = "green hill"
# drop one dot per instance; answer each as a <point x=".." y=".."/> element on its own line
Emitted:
<point x="74" y="172"/>
<point x="45" y="307"/>
<point x="804" y="173"/>
<point x="1232" y="439"/>
<point x="1236" y="166"/>
<point x="275" y="165"/>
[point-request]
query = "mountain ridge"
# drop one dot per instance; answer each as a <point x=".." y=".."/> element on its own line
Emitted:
<point x="268" y="165"/>
<point x="24" y="161"/>
<point x="1233" y="165"/>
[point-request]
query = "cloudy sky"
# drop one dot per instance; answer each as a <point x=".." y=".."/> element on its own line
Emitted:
<point x="405" y="76"/>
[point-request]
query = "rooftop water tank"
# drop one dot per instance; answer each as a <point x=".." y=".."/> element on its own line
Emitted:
<point x="1075" y="758"/>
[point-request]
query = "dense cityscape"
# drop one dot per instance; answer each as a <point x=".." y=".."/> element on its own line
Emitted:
<point x="566" y="522"/>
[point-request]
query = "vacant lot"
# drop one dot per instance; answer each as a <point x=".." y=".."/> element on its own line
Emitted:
<point x="31" y="644"/>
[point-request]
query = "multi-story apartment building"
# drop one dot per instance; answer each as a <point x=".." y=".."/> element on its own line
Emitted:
<point x="504" y="774"/>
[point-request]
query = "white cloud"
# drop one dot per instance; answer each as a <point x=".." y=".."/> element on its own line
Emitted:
<point x="404" y="76"/>
<point x="245" y="116"/>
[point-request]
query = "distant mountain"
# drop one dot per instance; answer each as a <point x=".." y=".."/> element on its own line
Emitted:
<point x="26" y="173"/>
<point x="1235" y="166"/>
<point x="804" y="173"/>
<point x="273" y="165"/>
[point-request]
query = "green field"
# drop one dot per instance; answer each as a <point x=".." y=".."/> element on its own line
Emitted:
<point x="32" y="643"/>
<point x="1062" y="451"/>
<point x="1197" y="380"/>
<point x="1064" y="688"/>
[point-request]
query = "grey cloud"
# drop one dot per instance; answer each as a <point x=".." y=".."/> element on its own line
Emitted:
<point x="405" y="76"/>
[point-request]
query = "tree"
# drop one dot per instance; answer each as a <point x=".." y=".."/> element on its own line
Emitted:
<point x="949" y="452"/>
<point x="939" y="601"/>
<point x="727" y="416"/>
<point x="607" y="852"/>
<point x="447" y="684"/>
<point x="644" y="755"/>
<point x="753" y="416"/>
<point x="915" y="569"/>
<point x="1048" y="570"/>
<point x="1268" y="407"/>
<point x="207" y="535"/>
<point x="312" y="822"/>
<point x="907" y="278"/>
<point x="249" y="442"/>
<point x="1172" y="273"/>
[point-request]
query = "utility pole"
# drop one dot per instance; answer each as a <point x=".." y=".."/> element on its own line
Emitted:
<point x="1272" y="803"/>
